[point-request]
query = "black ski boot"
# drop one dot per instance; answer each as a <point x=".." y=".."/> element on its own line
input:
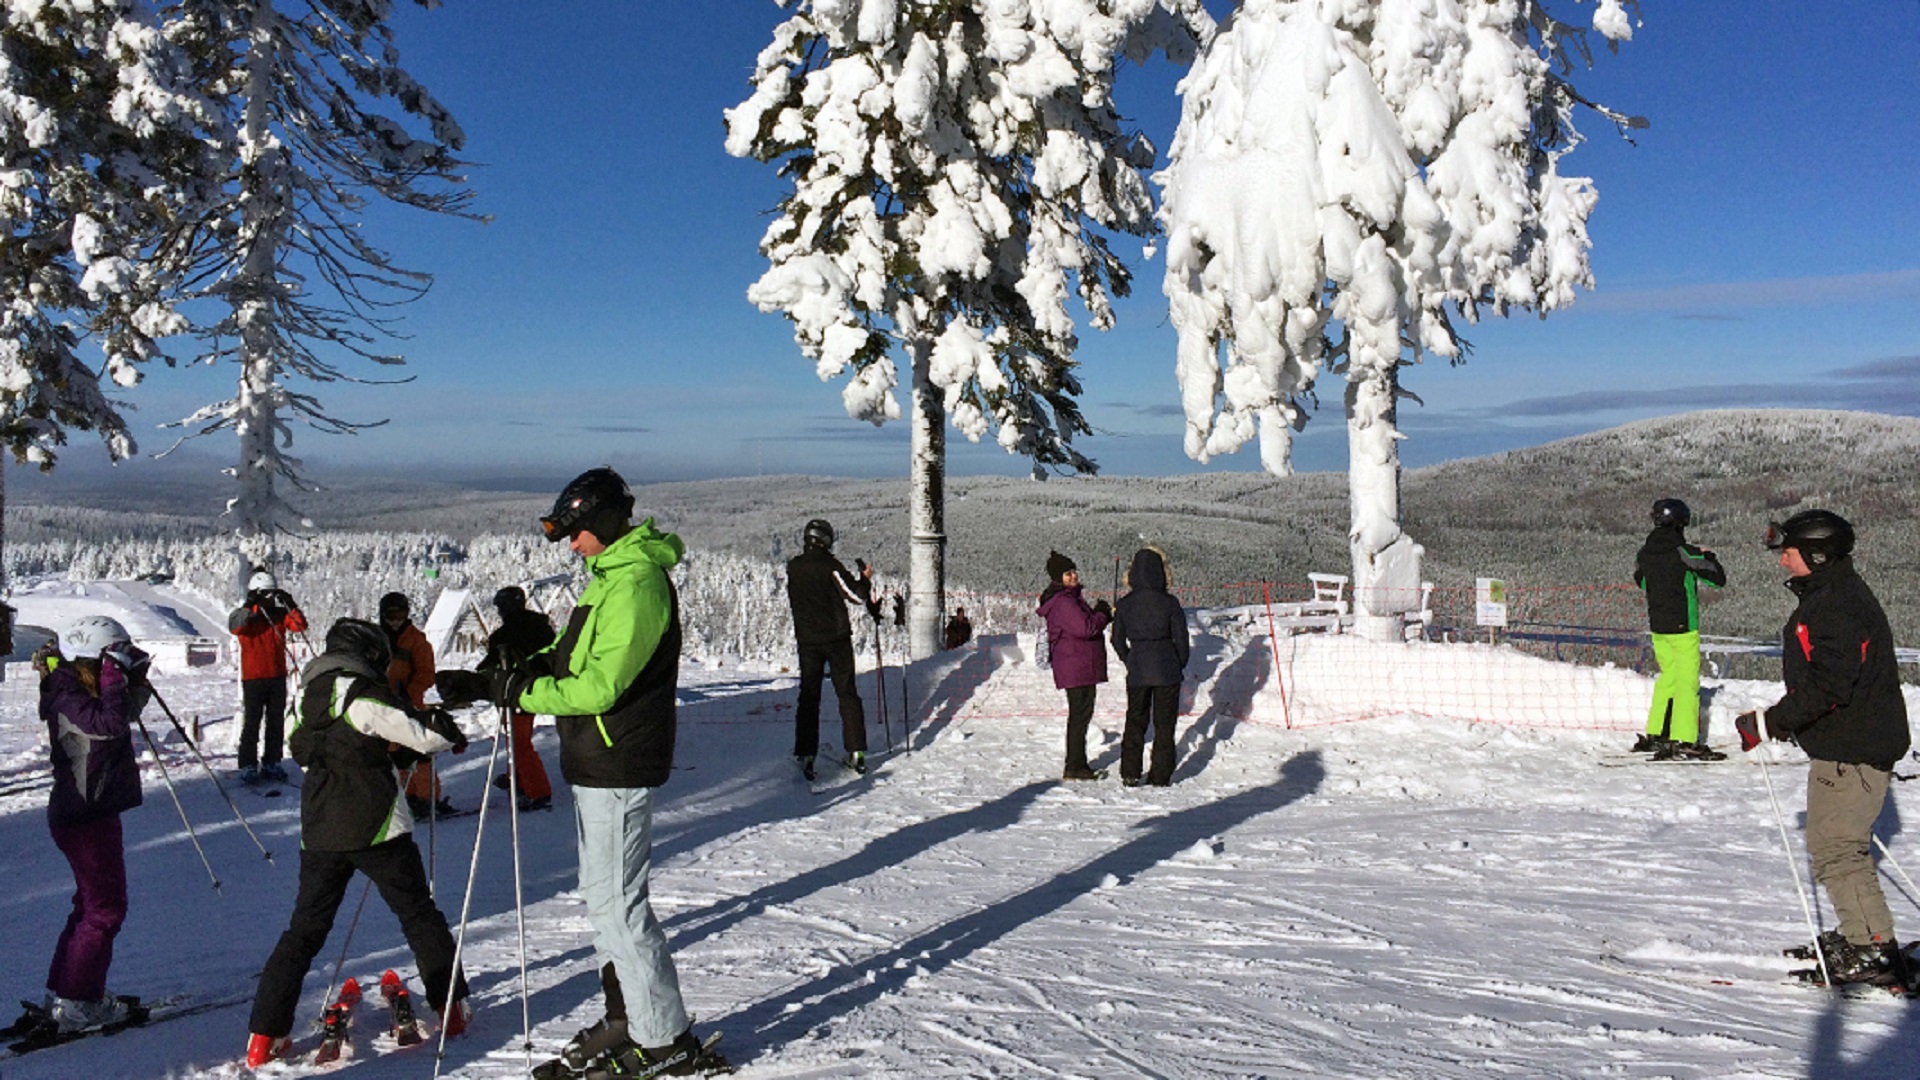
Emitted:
<point x="1648" y="744"/>
<point x="685" y="1056"/>
<point x="580" y="1052"/>
<point x="1688" y="751"/>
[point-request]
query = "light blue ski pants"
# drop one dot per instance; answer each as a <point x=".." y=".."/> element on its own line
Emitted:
<point x="614" y="829"/>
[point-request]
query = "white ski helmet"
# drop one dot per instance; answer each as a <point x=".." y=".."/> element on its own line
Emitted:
<point x="89" y="637"/>
<point x="261" y="581"/>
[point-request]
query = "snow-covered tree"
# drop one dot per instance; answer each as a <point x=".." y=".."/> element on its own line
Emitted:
<point x="956" y="165"/>
<point x="1382" y="165"/>
<point x="101" y="143"/>
<point x="324" y="119"/>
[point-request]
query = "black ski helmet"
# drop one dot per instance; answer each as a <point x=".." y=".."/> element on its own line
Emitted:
<point x="597" y="501"/>
<point x="511" y="598"/>
<point x="362" y="640"/>
<point x="1820" y="536"/>
<point x="818" y="534"/>
<point x="394" y="601"/>
<point x="1670" y="512"/>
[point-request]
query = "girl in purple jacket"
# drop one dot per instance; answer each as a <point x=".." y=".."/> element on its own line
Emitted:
<point x="1079" y="655"/>
<point x="89" y="698"/>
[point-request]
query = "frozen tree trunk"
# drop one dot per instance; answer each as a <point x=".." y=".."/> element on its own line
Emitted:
<point x="1386" y="562"/>
<point x="926" y="509"/>
<point x="254" y="404"/>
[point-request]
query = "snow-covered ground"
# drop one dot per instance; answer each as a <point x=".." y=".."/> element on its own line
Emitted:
<point x="1408" y="897"/>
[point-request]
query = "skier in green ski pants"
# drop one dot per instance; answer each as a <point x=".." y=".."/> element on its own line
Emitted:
<point x="1669" y="569"/>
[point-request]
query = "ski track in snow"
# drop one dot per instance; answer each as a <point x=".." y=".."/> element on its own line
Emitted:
<point x="1398" y="897"/>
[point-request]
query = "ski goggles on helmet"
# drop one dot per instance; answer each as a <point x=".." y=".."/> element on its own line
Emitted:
<point x="1776" y="537"/>
<point x="565" y="521"/>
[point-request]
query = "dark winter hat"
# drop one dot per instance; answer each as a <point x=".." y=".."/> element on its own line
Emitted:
<point x="361" y="639"/>
<point x="1671" y="512"/>
<point x="597" y="501"/>
<point x="511" y="598"/>
<point x="393" y="602"/>
<point x="1820" y="536"/>
<point x="1058" y="565"/>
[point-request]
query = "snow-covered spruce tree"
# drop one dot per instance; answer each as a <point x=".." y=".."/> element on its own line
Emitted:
<point x="1382" y="165"/>
<point x="954" y="166"/>
<point x="99" y="145"/>
<point x="324" y="119"/>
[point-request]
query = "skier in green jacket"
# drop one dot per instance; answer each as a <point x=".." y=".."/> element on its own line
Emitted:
<point x="1670" y="570"/>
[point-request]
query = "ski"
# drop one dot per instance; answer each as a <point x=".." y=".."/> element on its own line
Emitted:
<point x="1619" y="760"/>
<point x="400" y="1018"/>
<point x="35" y="1029"/>
<point x="336" y="1023"/>
<point x="706" y="1062"/>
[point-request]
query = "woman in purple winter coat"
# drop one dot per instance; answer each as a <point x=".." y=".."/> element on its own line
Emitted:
<point x="1079" y="655"/>
<point x="89" y="699"/>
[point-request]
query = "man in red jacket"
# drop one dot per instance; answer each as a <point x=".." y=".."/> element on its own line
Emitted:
<point x="263" y="624"/>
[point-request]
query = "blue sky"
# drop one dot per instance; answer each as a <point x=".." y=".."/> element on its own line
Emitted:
<point x="1758" y="245"/>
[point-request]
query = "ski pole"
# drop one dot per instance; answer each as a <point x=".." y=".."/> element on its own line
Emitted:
<point x="1806" y="908"/>
<point x="1891" y="861"/>
<point x="519" y="901"/>
<point x="334" y="980"/>
<point x="154" y="748"/>
<point x="466" y="907"/>
<point x="880" y="683"/>
<point x="211" y="775"/>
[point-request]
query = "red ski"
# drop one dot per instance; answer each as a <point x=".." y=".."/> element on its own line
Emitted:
<point x="406" y="1029"/>
<point x="335" y="1022"/>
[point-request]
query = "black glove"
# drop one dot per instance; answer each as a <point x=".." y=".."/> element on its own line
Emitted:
<point x="1103" y="608"/>
<point x="1748" y="725"/>
<point x="505" y="685"/>
<point x="459" y="687"/>
<point x="132" y="661"/>
<point x="440" y="722"/>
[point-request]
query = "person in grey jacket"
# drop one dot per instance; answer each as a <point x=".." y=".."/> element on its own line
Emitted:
<point x="1150" y="637"/>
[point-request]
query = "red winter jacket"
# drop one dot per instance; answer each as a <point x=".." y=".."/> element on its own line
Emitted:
<point x="262" y="625"/>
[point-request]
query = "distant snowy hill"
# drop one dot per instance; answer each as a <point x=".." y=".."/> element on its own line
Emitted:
<point x="1568" y="513"/>
<point x="1405" y="896"/>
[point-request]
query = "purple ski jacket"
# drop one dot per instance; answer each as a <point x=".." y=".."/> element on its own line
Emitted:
<point x="94" y="771"/>
<point x="1073" y="638"/>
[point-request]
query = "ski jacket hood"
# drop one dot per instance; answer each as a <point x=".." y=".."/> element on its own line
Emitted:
<point x="609" y="681"/>
<point x="1074" y="644"/>
<point x="1149" y="570"/>
<point x="90" y="738"/>
<point x="1843" y="701"/>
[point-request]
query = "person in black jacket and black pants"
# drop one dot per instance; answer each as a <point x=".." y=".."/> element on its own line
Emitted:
<point x="819" y="590"/>
<point x="353" y="818"/>
<point x="522" y="632"/>
<point x="1844" y="707"/>
<point x="1150" y="637"/>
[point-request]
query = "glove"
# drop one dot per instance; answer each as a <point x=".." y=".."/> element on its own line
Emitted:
<point x="462" y="687"/>
<point x="1103" y="608"/>
<point x="1748" y="725"/>
<point x="440" y="722"/>
<point x="505" y="685"/>
<point x="132" y="661"/>
<point x="47" y="656"/>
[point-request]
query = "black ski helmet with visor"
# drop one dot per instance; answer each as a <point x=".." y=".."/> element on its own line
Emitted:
<point x="1820" y="536"/>
<point x="597" y="501"/>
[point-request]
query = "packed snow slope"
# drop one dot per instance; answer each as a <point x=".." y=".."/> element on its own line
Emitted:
<point x="1407" y="897"/>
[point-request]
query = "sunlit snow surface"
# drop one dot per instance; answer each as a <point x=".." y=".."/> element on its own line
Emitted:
<point x="1399" y="897"/>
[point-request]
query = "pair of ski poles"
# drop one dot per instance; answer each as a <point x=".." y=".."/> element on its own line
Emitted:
<point x="153" y="745"/>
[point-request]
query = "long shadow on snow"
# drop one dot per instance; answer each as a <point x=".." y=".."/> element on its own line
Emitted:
<point x="879" y="854"/>
<point x="1892" y="1059"/>
<point x="1235" y="686"/>
<point x="940" y="704"/>
<point x="785" y="1017"/>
